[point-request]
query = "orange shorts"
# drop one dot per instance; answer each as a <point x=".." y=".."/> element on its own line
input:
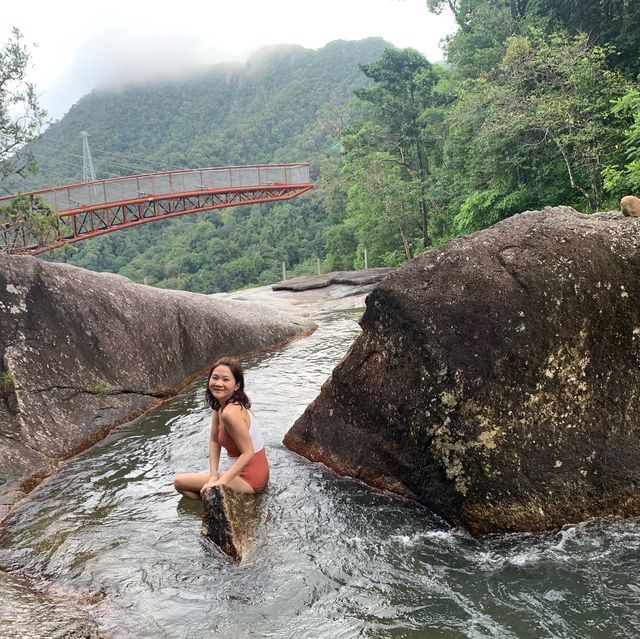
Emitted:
<point x="256" y="472"/>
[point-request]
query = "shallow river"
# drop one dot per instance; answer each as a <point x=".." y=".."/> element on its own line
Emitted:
<point x="109" y="539"/>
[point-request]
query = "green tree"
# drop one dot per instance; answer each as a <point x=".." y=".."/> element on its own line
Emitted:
<point x="40" y="220"/>
<point x="485" y="25"/>
<point x="381" y="208"/>
<point x="403" y="83"/>
<point x="559" y="91"/>
<point x="623" y="177"/>
<point x="478" y="45"/>
<point x="536" y="131"/>
<point x="20" y="114"/>
<point x="611" y="23"/>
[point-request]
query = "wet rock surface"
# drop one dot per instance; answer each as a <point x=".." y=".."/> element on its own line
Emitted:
<point x="311" y="302"/>
<point x="42" y="613"/>
<point x="229" y="520"/>
<point x="82" y="352"/>
<point x="496" y="379"/>
<point x="352" y="278"/>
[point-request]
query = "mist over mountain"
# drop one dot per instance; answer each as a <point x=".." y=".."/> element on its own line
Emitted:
<point x="285" y="104"/>
<point x="266" y="110"/>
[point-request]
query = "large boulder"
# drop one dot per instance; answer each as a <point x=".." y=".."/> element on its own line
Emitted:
<point x="497" y="379"/>
<point x="82" y="352"/>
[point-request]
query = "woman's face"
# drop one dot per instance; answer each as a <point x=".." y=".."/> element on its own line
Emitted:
<point x="222" y="383"/>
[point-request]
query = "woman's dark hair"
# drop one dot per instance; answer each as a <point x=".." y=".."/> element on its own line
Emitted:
<point x="239" y="396"/>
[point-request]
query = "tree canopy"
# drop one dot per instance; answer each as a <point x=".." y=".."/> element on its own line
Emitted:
<point x="537" y="104"/>
<point x="20" y="114"/>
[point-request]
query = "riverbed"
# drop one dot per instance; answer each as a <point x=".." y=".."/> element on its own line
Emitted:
<point x="107" y="547"/>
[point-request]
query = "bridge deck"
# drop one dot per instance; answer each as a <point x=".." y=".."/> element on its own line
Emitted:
<point x="90" y="209"/>
<point x="167" y="183"/>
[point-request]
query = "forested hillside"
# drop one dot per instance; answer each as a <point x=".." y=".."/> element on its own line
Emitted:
<point x="287" y="104"/>
<point x="537" y="104"/>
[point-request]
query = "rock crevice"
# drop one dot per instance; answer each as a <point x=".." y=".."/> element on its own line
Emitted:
<point x="81" y="352"/>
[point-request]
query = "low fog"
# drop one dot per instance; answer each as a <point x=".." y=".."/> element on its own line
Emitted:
<point x="112" y="60"/>
<point x="90" y="46"/>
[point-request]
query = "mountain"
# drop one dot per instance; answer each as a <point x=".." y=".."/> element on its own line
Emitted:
<point x="284" y="105"/>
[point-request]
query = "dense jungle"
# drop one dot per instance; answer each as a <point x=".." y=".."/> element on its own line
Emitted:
<point x="536" y="103"/>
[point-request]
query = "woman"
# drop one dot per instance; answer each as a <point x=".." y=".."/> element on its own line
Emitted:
<point x="234" y="428"/>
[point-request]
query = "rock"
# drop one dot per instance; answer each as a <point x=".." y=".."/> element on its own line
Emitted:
<point x="83" y="352"/>
<point x="311" y="302"/>
<point x="352" y="278"/>
<point x="630" y="206"/>
<point x="44" y="610"/>
<point x="229" y="519"/>
<point x="496" y="379"/>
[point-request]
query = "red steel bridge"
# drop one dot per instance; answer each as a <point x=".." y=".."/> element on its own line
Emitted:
<point x="94" y="208"/>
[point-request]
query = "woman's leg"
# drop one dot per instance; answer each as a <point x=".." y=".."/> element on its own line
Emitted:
<point x="240" y="485"/>
<point x="189" y="484"/>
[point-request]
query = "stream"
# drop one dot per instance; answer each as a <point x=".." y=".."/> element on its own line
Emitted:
<point x="107" y="548"/>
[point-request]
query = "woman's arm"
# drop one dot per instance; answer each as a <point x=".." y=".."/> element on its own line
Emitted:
<point x="214" y="447"/>
<point x="233" y="418"/>
<point x="214" y="454"/>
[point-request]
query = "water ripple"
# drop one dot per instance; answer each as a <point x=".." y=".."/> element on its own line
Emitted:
<point x="331" y="557"/>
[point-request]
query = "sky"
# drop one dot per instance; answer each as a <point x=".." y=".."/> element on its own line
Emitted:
<point x="77" y="46"/>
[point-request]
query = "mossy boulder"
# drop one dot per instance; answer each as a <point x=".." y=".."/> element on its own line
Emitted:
<point x="497" y="379"/>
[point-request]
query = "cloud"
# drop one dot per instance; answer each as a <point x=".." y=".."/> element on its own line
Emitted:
<point x="114" y="58"/>
<point x="138" y="42"/>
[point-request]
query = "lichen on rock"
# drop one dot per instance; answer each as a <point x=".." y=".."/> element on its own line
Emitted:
<point x="496" y="378"/>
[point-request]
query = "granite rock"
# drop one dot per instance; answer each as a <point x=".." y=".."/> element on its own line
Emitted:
<point x="496" y="378"/>
<point x="229" y="519"/>
<point x="82" y="352"/>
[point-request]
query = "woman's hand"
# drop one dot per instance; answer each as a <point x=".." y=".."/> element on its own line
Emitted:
<point x="206" y="487"/>
<point x="213" y="481"/>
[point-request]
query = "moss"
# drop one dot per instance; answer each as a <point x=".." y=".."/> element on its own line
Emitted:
<point x="7" y="384"/>
<point x="100" y="388"/>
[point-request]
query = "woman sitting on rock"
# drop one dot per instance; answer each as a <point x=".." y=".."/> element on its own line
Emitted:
<point x="234" y="428"/>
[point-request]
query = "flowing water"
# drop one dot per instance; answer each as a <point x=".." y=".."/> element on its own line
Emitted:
<point x="107" y="541"/>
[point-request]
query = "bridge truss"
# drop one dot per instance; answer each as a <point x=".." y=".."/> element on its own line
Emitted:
<point x="92" y="209"/>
